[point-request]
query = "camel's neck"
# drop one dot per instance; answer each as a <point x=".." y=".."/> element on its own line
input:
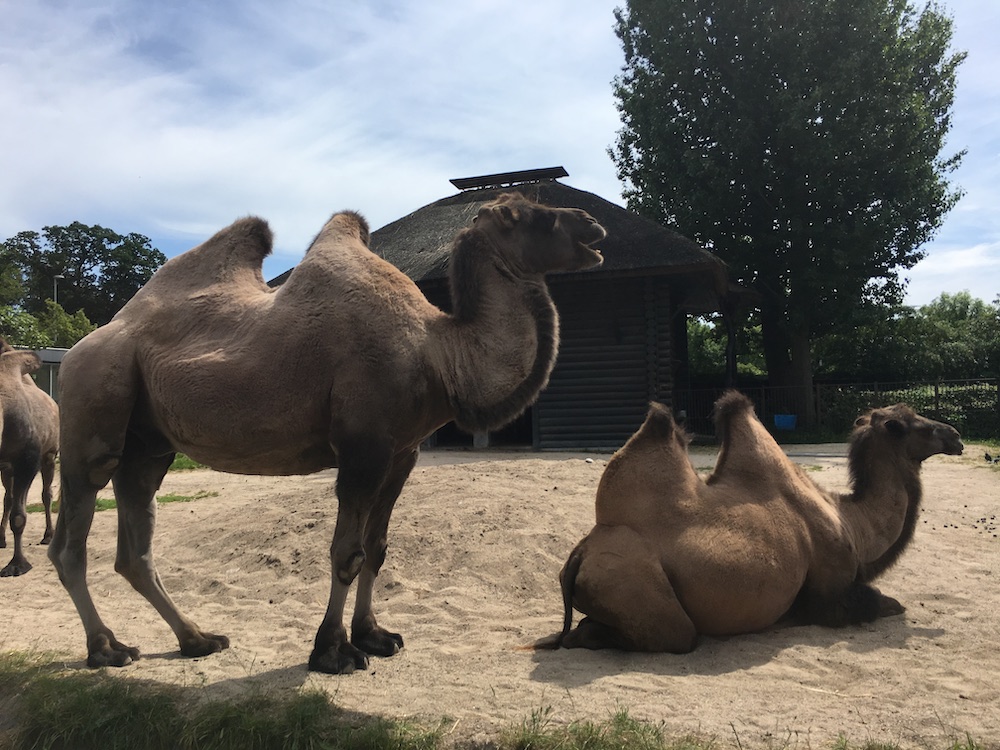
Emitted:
<point x="882" y="511"/>
<point x="498" y="347"/>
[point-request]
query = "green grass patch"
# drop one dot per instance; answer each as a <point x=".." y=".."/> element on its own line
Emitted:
<point x="108" y="503"/>
<point x="183" y="463"/>
<point x="45" y="706"/>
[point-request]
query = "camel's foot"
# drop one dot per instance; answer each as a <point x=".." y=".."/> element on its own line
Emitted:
<point x="377" y="641"/>
<point x="3" y="542"/>
<point x="47" y="538"/>
<point x="103" y="650"/>
<point x="341" y="659"/>
<point x="203" y="644"/>
<point x="16" y="567"/>
<point x="888" y="607"/>
<point x="593" y="635"/>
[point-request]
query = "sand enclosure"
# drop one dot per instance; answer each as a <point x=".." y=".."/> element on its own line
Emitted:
<point x="475" y="548"/>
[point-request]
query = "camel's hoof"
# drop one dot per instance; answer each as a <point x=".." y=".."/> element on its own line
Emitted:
<point x="15" y="568"/>
<point x="887" y="606"/>
<point x="342" y="660"/>
<point x="46" y="539"/>
<point x="3" y="542"/>
<point x="204" y="644"/>
<point x="378" y="642"/>
<point x="105" y="651"/>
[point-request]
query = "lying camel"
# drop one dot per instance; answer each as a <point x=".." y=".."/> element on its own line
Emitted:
<point x="673" y="556"/>
<point x="29" y="426"/>
<point x="346" y="365"/>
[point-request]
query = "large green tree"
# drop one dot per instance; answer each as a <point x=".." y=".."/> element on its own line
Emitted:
<point x="800" y="140"/>
<point x="90" y="268"/>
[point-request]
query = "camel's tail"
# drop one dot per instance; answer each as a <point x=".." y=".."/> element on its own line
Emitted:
<point x="567" y="581"/>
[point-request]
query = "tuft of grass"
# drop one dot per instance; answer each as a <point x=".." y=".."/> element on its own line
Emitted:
<point x="183" y="463"/>
<point x="619" y="732"/>
<point x="174" y="498"/>
<point x="108" y="503"/>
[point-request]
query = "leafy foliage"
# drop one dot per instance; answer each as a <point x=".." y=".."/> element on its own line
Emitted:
<point x="90" y="268"/>
<point x="800" y="141"/>
<point x="19" y="328"/>
<point x="954" y="337"/>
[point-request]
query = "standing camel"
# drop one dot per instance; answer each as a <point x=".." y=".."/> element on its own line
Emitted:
<point x="346" y="365"/>
<point x="29" y="441"/>
<point x="673" y="556"/>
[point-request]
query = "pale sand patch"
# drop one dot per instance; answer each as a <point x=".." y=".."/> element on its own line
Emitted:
<point x="476" y="544"/>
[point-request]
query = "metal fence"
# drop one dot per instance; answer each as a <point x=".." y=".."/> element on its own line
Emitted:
<point x="972" y="406"/>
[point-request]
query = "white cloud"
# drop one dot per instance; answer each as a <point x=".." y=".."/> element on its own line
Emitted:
<point x="174" y="119"/>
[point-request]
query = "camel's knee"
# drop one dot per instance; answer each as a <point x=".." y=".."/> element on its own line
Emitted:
<point x="347" y="563"/>
<point x="69" y="566"/>
<point x="18" y="520"/>
<point x="375" y="554"/>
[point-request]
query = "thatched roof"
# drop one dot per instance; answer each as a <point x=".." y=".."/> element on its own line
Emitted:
<point x="419" y="243"/>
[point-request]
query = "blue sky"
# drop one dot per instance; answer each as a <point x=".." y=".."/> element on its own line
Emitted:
<point x="172" y="120"/>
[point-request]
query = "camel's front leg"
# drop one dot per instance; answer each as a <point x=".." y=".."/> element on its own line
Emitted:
<point x="366" y="633"/>
<point x="136" y="482"/>
<point x="364" y="466"/>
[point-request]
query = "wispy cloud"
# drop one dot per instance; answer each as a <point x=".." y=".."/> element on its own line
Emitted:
<point x="174" y="119"/>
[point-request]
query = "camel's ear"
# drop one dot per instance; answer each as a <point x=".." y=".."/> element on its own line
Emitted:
<point x="504" y="215"/>
<point x="895" y="428"/>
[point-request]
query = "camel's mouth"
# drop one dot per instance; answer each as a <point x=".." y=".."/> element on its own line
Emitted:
<point x="589" y="256"/>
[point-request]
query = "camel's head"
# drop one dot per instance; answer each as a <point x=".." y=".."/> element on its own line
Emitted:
<point x="539" y="238"/>
<point x="918" y="436"/>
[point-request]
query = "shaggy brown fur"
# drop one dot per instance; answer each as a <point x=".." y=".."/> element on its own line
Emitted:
<point x="29" y="441"/>
<point x="346" y="365"/>
<point x="673" y="556"/>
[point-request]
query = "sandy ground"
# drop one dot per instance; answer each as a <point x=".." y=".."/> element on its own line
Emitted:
<point x="476" y="545"/>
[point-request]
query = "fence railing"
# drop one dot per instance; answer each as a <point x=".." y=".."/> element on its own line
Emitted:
<point x="971" y="406"/>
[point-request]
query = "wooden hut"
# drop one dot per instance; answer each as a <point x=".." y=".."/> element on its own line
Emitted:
<point x="623" y="325"/>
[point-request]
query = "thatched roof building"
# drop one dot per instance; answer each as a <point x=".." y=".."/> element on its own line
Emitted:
<point x="623" y="325"/>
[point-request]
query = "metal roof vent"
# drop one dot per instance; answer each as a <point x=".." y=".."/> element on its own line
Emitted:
<point x="508" y="179"/>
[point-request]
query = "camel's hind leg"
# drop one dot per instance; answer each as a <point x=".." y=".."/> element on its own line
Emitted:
<point x="48" y="474"/>
<point x="98" y="391"/>
<point x="366" y="633"/>
<point x="22" y="473"/>
<point x="68" y="553"/>
<point x="136" y="481"/>
<point x="7" y="500"/>
<point x="627" y="597"/>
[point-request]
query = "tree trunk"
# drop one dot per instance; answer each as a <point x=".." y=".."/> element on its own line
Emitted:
<point x="788" y="353"/>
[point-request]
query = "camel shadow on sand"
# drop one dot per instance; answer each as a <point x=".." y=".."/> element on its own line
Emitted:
<point x="573" y="668"/>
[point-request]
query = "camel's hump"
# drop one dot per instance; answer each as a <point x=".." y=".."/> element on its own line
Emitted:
<point x="659" y="421"/>
<point x="18" y="362"/>
<point x="232" y="255"/>
<point x="730" y="404"/>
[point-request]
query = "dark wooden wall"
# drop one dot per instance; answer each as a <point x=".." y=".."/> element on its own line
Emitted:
<point x="615" y="356"/>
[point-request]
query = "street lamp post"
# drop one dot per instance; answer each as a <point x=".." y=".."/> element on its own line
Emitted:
<point x="55" y="287"/>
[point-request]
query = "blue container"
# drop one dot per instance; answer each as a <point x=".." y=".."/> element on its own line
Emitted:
<point x="784" y="421"/>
